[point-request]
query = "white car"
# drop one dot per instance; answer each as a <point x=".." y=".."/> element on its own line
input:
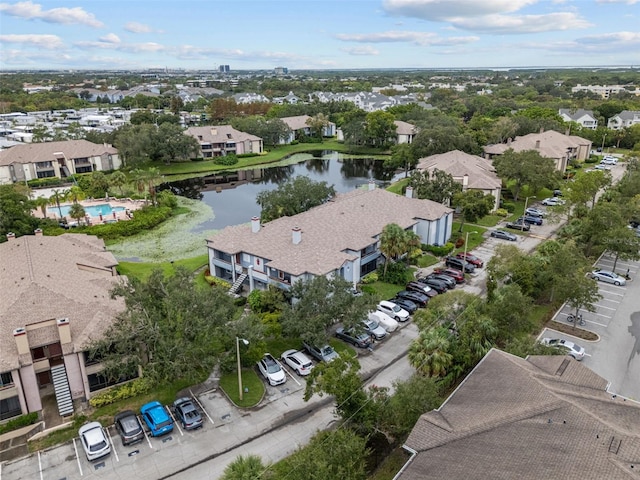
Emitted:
<point x="609" y="161"/>
<point x="570" y="348"/>
<point x="372" y="327"/>
<point x="602" y="167"/>
<point x="552" y="201"/>
<point x="393" y="310"/>
<point x="608" y="277"/>
<point x="94" y="441"/>
<point x="271" y="370"/>
<point x="297" y="361"/>
<point x="388" y="323"/>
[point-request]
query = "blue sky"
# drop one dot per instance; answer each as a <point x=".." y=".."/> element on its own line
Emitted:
<point x="310" y="34"/>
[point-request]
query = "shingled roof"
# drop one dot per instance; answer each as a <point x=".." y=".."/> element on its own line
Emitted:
<point x="350" y="221"/>
<point x="549" y="144"/>
<point x="45" y="278"/>
<point x="544" y="417"/>
<point x="219" y="134"/>
<point x="44" y="151"/>
<point x="480" y="171"/>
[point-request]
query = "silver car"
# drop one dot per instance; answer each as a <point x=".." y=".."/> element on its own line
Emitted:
<point x="94" y="441"/>
<point x="608" y="277"/>
<point x="570" y="348"/>
<point x="374" y="328"/>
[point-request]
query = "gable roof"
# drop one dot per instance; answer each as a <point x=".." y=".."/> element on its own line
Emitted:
<point x="544" y="417"/>
<point x="576" y="115"/>
<point x="296" y="123"/>
<point x="456" y="163"/>
<point x="219" y="134"/>
<point x="43" y="152"/>
<point x="46" y="278"/>
<point x="551" y="144"/>
<point x="404" y="128"/>
<point x="349" y="221"/>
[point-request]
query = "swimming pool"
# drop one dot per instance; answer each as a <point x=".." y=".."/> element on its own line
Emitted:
<point x="103" y="209"/>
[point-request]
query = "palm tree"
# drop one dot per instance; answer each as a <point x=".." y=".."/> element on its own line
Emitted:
<point x="244" y="468"/>
<point x="56" y="198"/>
<point x="429" y="355"/>
<point x="412" y="242"/>
<point x="118" y="179"/>
<point x="42" y="203"/>
<point x="139" y="180"/>
<point x="392" y="243"/>
<point x="76" y="211"/>
<point x="152" y="177"/>
<point x="75" y="194"/>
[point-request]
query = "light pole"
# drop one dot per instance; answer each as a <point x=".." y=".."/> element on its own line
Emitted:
<point x="603" y="137"/>
<point x="246" y="342"/>
<point x="466" y="241"/>
<point x="524" y="213"/>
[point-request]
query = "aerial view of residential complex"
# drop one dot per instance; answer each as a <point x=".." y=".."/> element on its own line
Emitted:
<point x="360" y="240"/>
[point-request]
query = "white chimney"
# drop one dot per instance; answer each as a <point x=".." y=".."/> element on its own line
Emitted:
<point x="296" y="235"/>
<point x="11" y="236"/>
<point x="509" y="141"/>
<point x="409" y="192"/>
<point x="372" y="185"/>
<point x="214" y="131"/>
<point x="255" y="224"/>
<point x="537" y="144"/>
<point x="465" y="181"/>
<point x="38" y="232"/>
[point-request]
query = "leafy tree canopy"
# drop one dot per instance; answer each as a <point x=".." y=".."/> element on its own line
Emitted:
<point x="438" y="186"/>
<point x="526" y="168"/>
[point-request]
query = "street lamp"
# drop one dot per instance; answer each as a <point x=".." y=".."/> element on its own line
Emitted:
<point x="466" y="241"/>
<point x="524" y="213"/>
<point x="603" y="137"/>
<point x="246" y="342"/>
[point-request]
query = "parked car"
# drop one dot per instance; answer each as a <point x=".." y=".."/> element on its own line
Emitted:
<point x="609" y="161"/>
<point x="451" y="272"/>
<point x="388" y="323"/>
<point x="394" y="310"/>
<point x="608" y="277"/>
<point x="357" y="339"/>
<point x="519" y="225"/>
<point x="421" y="288"/>
<point x="557" y="193"/>
<point x="418" y="298"/>
<point x="405" y="304"/>
<point x="128" y="427"/>
<point x="534" y="212"/>
<point x="530" y="220"/>
<point x="94" y="441"/>
<point x="570" y="348"/>
<point x="552" y="201"/>
<point x="373" y="328"/>
<point x="437" y="285"/>
<point x="297" y="361"/>
<point x="504" y="235"/>
<point x="271" y="370"/>
<point x="187" y="413"/>
<point x="459" y="264"/>
<point x="322" y="354"/>
<point x="602" y="167"/>
<point x="450" y="282"/>
<point x="472" y="259"/>
<point x="156" y="418"/>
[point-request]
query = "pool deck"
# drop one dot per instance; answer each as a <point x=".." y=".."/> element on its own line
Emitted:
<point x="128" y="204"/>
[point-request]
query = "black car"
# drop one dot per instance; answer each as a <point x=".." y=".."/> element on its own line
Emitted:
<point x="408" y="305"/>
<point x="531" y="220"/>
<point x="421" y="288"/>
<point x="418" y="298"/>
<point x="438" y="285"/>
<point x="449" y="281"/>
<point x="128" y="427"/>
<point x="358" y="339"/>
<point x="519" y="225"/>
<point x="187" y="413"/>
<point x="459" y="264"/>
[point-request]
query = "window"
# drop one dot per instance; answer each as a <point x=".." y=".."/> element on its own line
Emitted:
<point x="10" y="407"/>
<point x="6" y="379"/>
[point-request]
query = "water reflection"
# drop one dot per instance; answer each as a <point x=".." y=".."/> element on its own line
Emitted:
<point x="232" y="195"/>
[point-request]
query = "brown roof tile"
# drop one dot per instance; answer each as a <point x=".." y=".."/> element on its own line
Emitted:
<point x="41" y="152"/>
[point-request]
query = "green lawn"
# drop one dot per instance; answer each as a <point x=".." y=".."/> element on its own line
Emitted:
<point x="475" y="235"/>
<point x="398" y="186"/>
<point x="142" y="270"/>
<point x="490" y="220"/>
<point x="426" y="260"/>
<point x="252" y="385"/>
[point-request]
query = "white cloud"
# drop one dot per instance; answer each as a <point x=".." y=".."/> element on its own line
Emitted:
<point x="363" y="50"/>
<point x="66" y="16"/>
<point x="108" y="43"/>
<point x="516" y="24"/>
<point x="41" y="41"/>
<point x="623" y="43"/>
<point x="439" y="10"/>
<point x="110" y="38"/>
<point x="417" y="38"/>
<point x="135" y="27"/>
<point x="628" y="2"/>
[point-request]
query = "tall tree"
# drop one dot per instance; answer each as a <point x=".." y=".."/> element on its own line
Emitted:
<point x="393" y="243"/>
<point x="380" y="129"/>
<point x="76" y="211"/>
<point x="15" y="212"/>
<point x="401" y="157"/>
<point x="318" y="123"/>
<point x="473" y="205"/>
<point x="429" y="354"/>
<point x="526" y="168"/>
<point x="295" y="196"/>
<point x="438" y="186"/>
<point x="585" y="187"/>
<point x="118" y="179"/>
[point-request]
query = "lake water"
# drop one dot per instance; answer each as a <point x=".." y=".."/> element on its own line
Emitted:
<point x="232" y="195"/>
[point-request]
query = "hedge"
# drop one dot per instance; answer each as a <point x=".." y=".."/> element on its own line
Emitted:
<point x="144" y="219"/>
<point x="19" y="422"/>
<point x="439" y="250"/>
<point x="211" y="280"/>
<point x="139" y="386"/>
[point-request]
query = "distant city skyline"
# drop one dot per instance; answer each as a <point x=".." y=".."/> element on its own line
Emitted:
<point x="310" y="34"/>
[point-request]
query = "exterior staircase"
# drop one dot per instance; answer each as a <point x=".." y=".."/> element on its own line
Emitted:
<point x="62" y="390"/>
<point x="237" y="284"/>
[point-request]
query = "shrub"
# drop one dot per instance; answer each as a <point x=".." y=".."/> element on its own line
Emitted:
<point x="230" y="159"/>
<point x="45" y="182"/>
<point x="396" y="273"/>
<point x="247" y="155"/>
<point x="19" y="422"/>
<point x="215" y="281"/>
<point x="134" y="388"/>
<point x="240" y="301"/>
<point x="272" y="327"/>
<point x="167" y="199"/>
<point x="440" y="250"/>
<point x="509" y="207"/>
<point x="144" y="219"/>
<point x="369" y="278"/>
<point x="502" y="212"/>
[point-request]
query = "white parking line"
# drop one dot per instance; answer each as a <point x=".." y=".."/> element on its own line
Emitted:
<point x="596" y="323"/>
<point x="597" y="305"/>
<point x="40" y="465"/>
<point x="113" y="445"/>
<point x="77" y="457"/>
<point x="602" y="315"/>
<point x="145" y="433"/>
<point x="611" y="292"/>
<point x="174" y="419"/>
<point x="288" y="372"/>
<point x="609" y="300"/>
<point x="201" y="407"/>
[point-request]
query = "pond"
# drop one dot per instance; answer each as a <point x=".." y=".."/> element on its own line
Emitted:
<point x="232" y="195"/>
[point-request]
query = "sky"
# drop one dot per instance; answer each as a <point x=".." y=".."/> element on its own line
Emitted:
<point x="310" y="34"/>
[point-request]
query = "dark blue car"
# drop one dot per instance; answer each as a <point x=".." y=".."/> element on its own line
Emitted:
<point x="531" y="220"/>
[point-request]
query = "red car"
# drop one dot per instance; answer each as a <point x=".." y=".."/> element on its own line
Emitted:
<point x="451" y="272"/>
<point x="472" y="259"/>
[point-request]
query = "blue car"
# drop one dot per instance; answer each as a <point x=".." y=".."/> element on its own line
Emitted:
<point x="156" y="418"/>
